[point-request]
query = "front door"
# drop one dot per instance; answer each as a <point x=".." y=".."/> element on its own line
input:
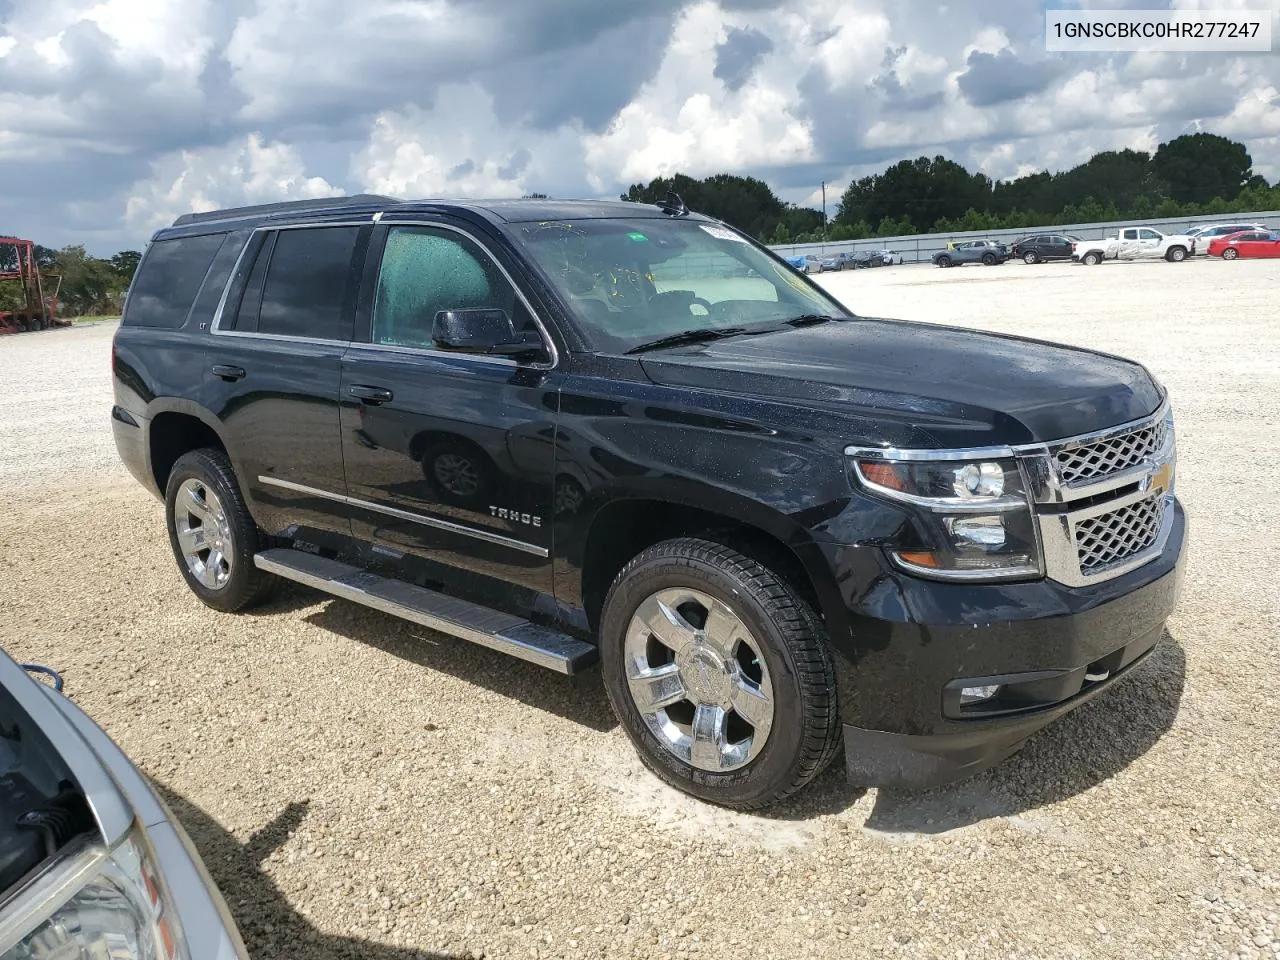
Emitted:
<point x="449" y="456"/>
<point x="274" y="370"/>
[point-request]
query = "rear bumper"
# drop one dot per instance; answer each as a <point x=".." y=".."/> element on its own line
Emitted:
<point x="1049" y="649"/>
<point x="129" y="432"/>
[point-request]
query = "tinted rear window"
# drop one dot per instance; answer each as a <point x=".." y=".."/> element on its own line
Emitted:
<point x="169" y="279"/>
<point x="306" y="283"/>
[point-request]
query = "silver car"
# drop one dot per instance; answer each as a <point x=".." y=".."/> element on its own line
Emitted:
<point x="92" y="863"/>
<point x="1203" y="235"/>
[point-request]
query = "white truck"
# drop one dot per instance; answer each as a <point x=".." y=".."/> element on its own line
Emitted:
<point x="1133" y="243"/>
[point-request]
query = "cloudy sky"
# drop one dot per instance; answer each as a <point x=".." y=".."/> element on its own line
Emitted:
<point x="117" y="115"/>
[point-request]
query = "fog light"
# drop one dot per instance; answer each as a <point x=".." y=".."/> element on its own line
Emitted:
<point x="970" y="695"/>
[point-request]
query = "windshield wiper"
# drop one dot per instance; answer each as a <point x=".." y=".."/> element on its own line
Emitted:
<point x="810" y="319"/>
<point x="688" y="336"/>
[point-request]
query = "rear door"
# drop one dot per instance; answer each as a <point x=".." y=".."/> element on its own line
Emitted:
<point x="1129" y="243"/>
<point x="274" y="371"/>
<point x="449" y="456"/>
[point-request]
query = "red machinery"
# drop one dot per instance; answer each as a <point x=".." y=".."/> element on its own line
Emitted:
<point x="37" y="309"/>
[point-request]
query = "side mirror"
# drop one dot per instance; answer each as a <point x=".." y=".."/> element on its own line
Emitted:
<point x="485" y="331"/>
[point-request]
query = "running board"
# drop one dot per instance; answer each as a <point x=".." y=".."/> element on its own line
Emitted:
<point x="437" y="611"/>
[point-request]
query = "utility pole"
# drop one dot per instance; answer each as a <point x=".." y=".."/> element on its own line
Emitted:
<point x="824" y="211"/>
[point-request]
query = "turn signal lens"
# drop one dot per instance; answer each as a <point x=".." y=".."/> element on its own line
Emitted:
<point x="884" y="475"/>
<point x="920" y="559"/>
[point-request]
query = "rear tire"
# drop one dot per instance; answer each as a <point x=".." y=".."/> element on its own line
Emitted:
<point x="729" y="634"/>
<point x="212" y="534"/>
<point x="988" y="259"/>
<point x="1230" y="253"/>
<point x="1091" y="259"/>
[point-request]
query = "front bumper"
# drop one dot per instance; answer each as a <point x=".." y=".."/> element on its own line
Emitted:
<point x="1050" y="647"/>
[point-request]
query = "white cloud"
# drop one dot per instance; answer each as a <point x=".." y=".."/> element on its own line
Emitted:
<point x="247" y="172"/>
<point x="459" y="148"/>
<point x="687" y="120"/>
<point x="138" y="110"/>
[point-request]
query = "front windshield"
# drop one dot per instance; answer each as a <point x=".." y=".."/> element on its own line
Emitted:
<point x="631" y="282"/>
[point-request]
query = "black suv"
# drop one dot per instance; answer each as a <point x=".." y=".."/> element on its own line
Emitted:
<point x="1044" y="246"/>
<point x="581" y="430"/>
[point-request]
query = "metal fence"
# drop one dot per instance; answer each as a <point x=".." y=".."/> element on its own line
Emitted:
<point x="921" y="247"/>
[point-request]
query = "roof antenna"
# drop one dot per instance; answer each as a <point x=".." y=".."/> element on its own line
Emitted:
<point x="673" y="206"/>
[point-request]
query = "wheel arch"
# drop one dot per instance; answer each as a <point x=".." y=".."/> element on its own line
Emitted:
<point x="176" y="426"/>
<point x="626" y="525"/>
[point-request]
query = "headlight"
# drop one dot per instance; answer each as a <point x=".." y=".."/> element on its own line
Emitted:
<point x="975" y="517"/>
<point x="121" y="913"/>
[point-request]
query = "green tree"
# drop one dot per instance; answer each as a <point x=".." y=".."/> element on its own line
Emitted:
<point x="745" y="202"/>
<point x="89" y="285"/>
<point x="1200" y="167"/>
<point x="920" y="190"/>
<point x="125" y="264"/>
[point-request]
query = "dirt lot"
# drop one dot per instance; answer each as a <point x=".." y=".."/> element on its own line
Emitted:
<point x="360" y="788"/>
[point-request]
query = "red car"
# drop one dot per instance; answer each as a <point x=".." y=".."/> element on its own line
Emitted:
<point x="1250" y="243"/>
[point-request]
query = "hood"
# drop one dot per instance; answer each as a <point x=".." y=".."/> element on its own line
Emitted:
<point x="951" y="386"/>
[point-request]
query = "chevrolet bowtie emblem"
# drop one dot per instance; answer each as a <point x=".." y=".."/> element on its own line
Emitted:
<point x="1160" y="480"/>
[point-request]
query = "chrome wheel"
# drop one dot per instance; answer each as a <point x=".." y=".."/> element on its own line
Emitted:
<point x="204" y="533"/>
<point x="697" y="676"/>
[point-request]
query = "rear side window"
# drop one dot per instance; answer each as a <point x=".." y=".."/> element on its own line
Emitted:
<point x="299" y="284"/>
<point x="168" y="280"/>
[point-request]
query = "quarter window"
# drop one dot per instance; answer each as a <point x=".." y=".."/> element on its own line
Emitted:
<point x="426" y="270"/>
<point x="168" y="280"/>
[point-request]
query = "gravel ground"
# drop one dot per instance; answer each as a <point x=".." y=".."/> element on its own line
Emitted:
<point x="361" y="788"/>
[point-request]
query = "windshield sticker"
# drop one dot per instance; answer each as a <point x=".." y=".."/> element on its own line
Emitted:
<point x="720" y="233"/>
<point x="637" y="236"/>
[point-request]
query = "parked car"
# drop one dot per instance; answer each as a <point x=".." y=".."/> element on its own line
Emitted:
<point x="1133" y="243"/>
<point x="1248" y="244"/>
<point x="798" y="263"/>
<point x="988" y="252"/>
<point x="890" y="257"/>
<point x="836" y="261"/>
<point x="1040" y="247"/>
<point x="92" y="863"/>
<point x="765" y="576"/>
<point x="1202" y="236"/>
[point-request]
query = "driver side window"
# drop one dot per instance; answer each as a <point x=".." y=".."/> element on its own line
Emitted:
<point x="426" y="270"/>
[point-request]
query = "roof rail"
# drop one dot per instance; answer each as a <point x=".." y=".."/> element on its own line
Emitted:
<point x="265" y="209"/>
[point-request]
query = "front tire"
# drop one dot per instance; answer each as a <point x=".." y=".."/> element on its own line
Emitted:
<point x="1176" y="254"/>
<point x="944" y="261"/>
<point x="1030" y="258"/>
<point x="1230" y="253"/>
<point x="212" y="534"/>
<point x="719" y="673"/>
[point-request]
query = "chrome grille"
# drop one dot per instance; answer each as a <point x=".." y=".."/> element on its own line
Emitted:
<point x="1116" y="536"/>
<point x="1094" y="460"/>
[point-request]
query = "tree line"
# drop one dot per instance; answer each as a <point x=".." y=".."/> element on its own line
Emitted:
<point x="1191" y="175"/>
<point x="85" y="285"/>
